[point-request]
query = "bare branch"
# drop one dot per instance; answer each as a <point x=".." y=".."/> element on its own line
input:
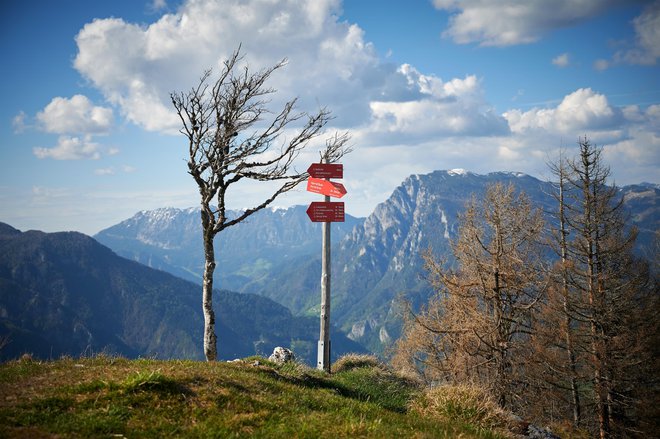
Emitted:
<point x="215" y="116"/>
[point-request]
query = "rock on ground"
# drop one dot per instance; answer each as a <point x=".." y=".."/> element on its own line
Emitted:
<point x="282" y="355"/>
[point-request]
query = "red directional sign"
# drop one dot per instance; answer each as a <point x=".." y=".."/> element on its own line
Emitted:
<point x="326" y="211"/>
<point x="325" y="187"/>
<point x="326" y="170"/>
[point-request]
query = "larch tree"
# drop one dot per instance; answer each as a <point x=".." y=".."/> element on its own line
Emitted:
<point x="600" y="273"/>
<point x="476" y="327"/>
<point x="555" y="373"/>
<point x="230" y="142"/>
<point x="603" y="310"/>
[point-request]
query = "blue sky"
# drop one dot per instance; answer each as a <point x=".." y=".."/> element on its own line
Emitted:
<point x="88" y="136"/>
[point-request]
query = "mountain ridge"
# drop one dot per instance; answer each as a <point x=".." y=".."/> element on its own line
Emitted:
<point x="170" y="239"/>
<point x="65" y="294"/>
<point x="378" y="260"/>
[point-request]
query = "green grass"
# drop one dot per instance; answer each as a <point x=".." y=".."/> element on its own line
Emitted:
<point x="115" y="397"/>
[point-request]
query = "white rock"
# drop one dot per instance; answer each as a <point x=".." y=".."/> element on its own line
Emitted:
<point x="282" y="355"/>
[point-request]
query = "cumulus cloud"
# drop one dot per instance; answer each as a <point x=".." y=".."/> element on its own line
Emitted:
<point x="136" y="67"/>
<point x="70" y="148"/>
<point x="329" y="62"/>
<point x="76" y="120"/>
<point x="581" y="110"/>
<point x="455" y="107"/>
<point x="510" y="22"/>
<point x="426" y="122"/>
<point x="629" y="135"/>
<point x="76" y="115"/>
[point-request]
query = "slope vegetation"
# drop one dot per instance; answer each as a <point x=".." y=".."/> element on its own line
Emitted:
<point x="115" y="397"/>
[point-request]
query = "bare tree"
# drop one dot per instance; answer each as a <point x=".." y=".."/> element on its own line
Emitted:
<point x="554" y="366"/>
<point x="476" y="326"/>
<point x="594" y="329"/>
<point x="608" y="284"/>
<point x="229" y="142"/>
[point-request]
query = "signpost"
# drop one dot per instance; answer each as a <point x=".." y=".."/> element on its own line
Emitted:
<point x="325" y="187"/>
<point x="326" y="212"/>
<point x="326" y="170"/>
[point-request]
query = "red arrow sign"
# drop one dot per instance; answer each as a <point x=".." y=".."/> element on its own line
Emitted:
<point x="326" y="170"/>
<point x="326" y="211"/>
<point x="325" y="187"/>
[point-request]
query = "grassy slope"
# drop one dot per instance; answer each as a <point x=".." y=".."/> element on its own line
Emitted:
<point x="115" y="397"/>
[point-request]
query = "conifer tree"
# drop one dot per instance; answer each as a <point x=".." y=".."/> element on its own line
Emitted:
<point x="476" y="327"/>
<point x="590" y="330"/>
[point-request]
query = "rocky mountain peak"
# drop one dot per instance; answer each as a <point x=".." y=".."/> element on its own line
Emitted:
<point x="277" y="252"/>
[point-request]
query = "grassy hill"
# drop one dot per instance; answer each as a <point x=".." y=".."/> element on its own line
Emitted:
<point x="116" y="397"/>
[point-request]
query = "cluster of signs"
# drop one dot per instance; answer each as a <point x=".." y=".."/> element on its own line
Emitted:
<point x="319" y="183"/>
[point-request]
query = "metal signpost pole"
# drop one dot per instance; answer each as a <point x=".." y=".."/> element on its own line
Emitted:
<point x="326" y="212"/>
<point x="324" y="338"/>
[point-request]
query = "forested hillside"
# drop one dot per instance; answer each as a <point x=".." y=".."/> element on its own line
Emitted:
<point x="66" y="294"/>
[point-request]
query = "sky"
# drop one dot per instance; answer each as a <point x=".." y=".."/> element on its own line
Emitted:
<point x="88" y="136"/>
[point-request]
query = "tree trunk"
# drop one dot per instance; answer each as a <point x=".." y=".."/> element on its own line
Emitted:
<point x="570" y="352"/>
<point x="596" y="332"/>
<point x="210" y="339"/>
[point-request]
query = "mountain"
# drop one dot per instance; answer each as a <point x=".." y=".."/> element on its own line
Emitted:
<point x="170" y="239"/>
<point x="66" y="294"/>
<point x="379" y="259"/>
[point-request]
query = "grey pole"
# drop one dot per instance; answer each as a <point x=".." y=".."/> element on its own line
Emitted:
<point x="323" y="358"/>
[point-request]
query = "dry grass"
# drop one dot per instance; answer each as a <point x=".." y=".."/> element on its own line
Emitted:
<point x="468" y="404"/>
<point x="355" y="361"/>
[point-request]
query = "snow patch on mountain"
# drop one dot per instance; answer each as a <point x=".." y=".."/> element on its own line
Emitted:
<point x="443" y="220"/>
<point x="457" y="171"/>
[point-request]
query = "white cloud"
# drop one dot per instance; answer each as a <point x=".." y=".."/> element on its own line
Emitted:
<point x="646" y="50"/>
<point x="562" y="60"/>
<point x="136" y="67"/>
<point x="510" y="22"/>
<point x="424" y="121"/>
<point x="629" y="135"/>
<point x="70" y="148"/>
<point x="330" y="64"/>
<point x="455" y="107"/>
<point x="18" y="122"/>
<point x="105" y="171"/>
<point x="158" y="5"/>
<point x="402" y="121"/>
<point x="601" y="64"/>
<point x="581" y="110"/>
<point x="76" y="115"/>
